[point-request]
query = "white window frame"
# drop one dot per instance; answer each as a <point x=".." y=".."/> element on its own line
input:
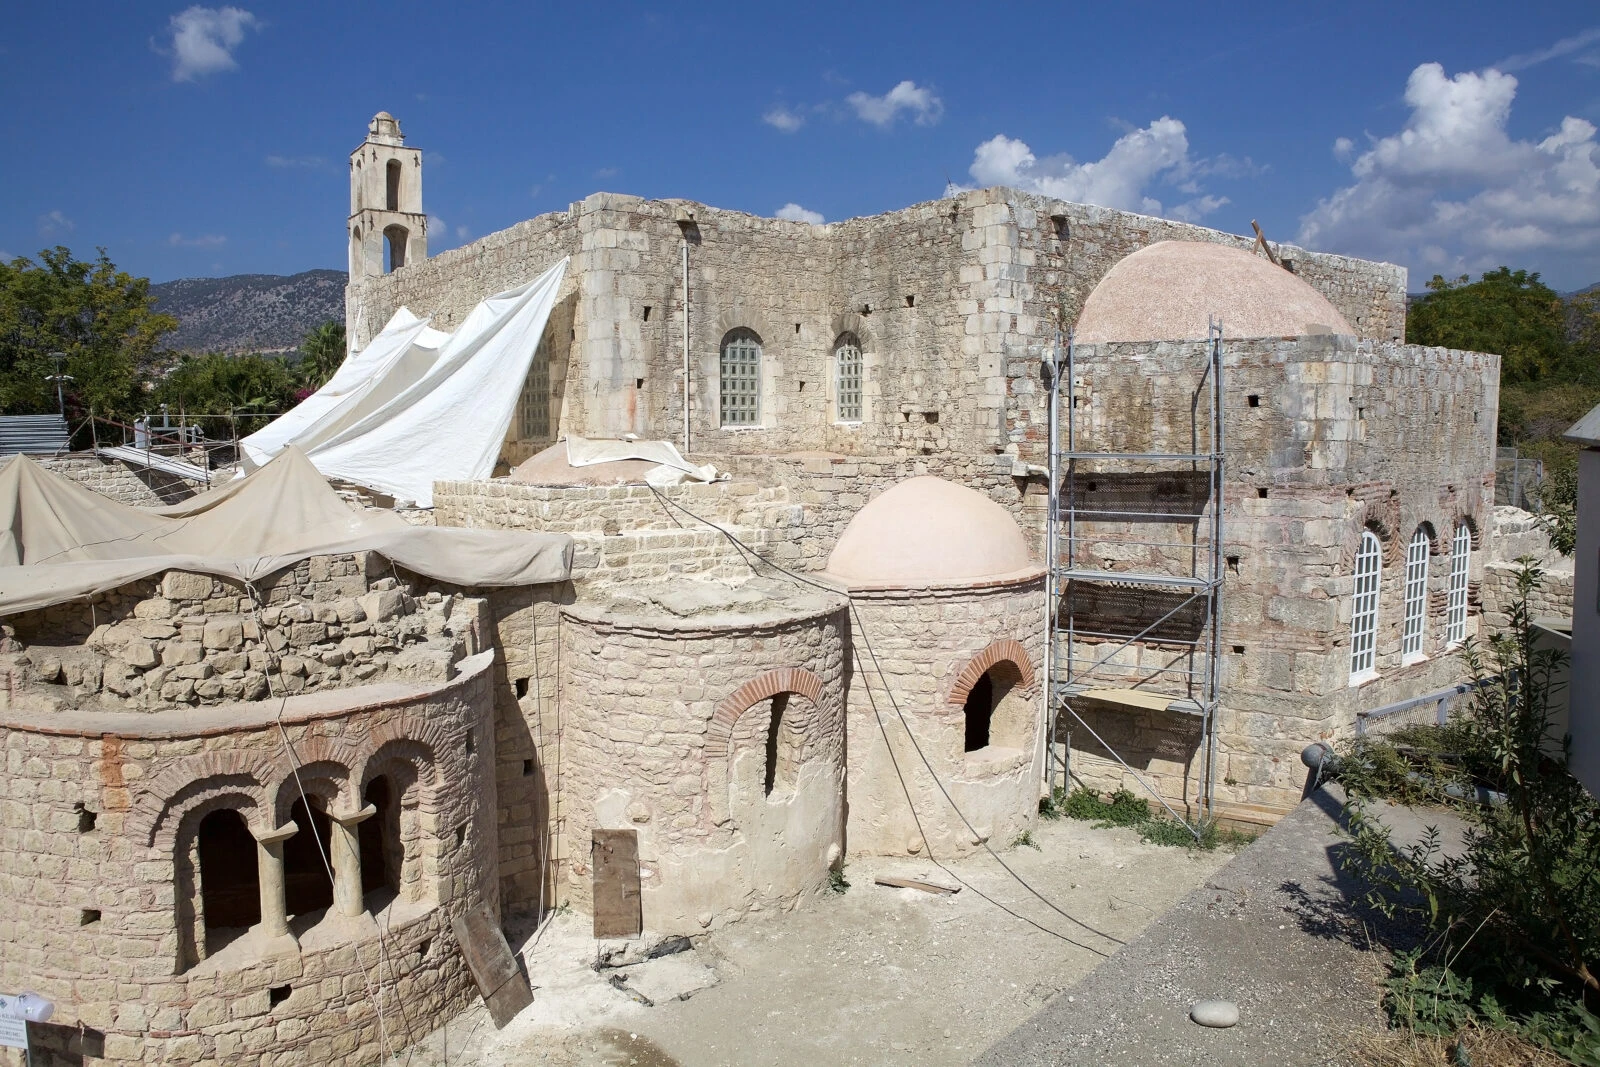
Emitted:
<point x="1456" y="608"/>
<point x="849" y="375"/>
<point x="1364" y="609"/>
<point x="1416" y="603"/>
<point x="739" y="367"/>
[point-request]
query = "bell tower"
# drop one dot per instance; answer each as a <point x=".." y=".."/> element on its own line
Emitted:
<point x="387" y="226"/>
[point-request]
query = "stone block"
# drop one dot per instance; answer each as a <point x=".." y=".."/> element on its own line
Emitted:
<point x="223" y="631"/>
<point x="181" y="585"/>
<point x="138" y="653"/>
<point x="382" y="605"/>
<point x="181" y="652"/>
<point x="155" y="608"/>
<point x="306" y="634"/>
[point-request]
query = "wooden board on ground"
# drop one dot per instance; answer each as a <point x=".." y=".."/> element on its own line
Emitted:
<point x="502" y="983"/>
<point x="915" y="883"/>
<point x="618" y="909"/>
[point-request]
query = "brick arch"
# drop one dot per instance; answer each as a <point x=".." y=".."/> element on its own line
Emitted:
<point x="1006" y="650"/>
<point x="763" y="686"/>
<point x="161" y="801"/>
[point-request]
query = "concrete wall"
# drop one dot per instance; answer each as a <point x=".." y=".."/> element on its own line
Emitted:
<point x="98" y="816"/>
<point x="664" y="723"/>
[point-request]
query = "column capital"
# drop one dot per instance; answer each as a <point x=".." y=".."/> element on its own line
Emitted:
<point x="353" y="817"/>
<point x="273" y="836"/>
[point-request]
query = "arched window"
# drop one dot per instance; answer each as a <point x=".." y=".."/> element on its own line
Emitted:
<point x="395" y="238"/>
<point x="847" y="359"/>
<point x="230" y="896"/>
<point x="392" y="176"/>
<point x="379" y="837"/>
<point x="740" y="379"/>
<point x="306" y="884"/>
<point x="1416" y="594"/>
<point x="996" y="711"/>
<point x="1364" y="613"/>
<point x="1455" y="630"/>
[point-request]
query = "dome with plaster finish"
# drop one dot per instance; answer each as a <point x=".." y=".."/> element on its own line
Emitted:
<point x="927" y="531"/>
<point x="1168" y="291"/>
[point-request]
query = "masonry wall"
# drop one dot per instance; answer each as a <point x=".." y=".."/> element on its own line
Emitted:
<point x="654" y="715"/>
<point x="184" y="638"/>
<point x="913" y="656"/>
<point x="98" y="815"/>
<point x="118" y="480"/>
<point x="939" y="295"/>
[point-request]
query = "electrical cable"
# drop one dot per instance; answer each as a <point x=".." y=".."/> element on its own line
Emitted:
<point x="747" y="552"/>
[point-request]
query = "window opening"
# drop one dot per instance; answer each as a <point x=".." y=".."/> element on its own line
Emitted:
<point x="392" y="176"/>
<point x="379" y="837"/>
<point x="1416" y="593"/>
<point x="1456" y="608"/>
<point x="230" y="896"/>
<point x="740" y="392"/>
<point x="394" y="242"/>
<point x="847" y="353"/>
<point x="979" y="709"/>
<point x="306" y="885"/>
<point x="1364" y="613"/>
<point x="780" y="703"/>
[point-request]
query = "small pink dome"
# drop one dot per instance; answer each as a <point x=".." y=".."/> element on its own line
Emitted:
<point x="927" y="531"/>
<point x="1169" y="290"/>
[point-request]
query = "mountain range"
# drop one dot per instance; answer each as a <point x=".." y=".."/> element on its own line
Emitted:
<point x="249" y="312"/>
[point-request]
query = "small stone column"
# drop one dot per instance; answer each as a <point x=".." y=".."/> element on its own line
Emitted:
<point x="345" y="855"/>
<point x="274" y="928"/>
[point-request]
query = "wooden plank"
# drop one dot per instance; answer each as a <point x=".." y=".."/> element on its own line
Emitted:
<point x="618" y="906"/>
<point x="494" y="969"/>
<point x="915" y="883"/>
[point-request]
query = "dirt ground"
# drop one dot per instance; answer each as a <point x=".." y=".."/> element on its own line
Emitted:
<point x="871" y="976"/>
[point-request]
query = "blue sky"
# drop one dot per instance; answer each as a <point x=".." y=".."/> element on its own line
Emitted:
<point x="213" y="139"/>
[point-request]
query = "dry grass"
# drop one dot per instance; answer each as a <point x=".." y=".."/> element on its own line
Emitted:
<point x="1490" y="1048"/>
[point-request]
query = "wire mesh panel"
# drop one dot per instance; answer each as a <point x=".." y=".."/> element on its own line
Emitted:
<point x="1456" y="609"/>
<point x="1364" y="617"/>
<point x="847" y="354"/>
<point x="740" y="381"/>
<point x="1416" y="593"/>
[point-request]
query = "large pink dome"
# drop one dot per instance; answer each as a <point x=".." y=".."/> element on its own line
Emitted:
<point x="1168" y="290"/>
<point x="927" y="531"/>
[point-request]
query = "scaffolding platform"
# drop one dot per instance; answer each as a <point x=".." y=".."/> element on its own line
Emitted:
<point x="153" y="461"/>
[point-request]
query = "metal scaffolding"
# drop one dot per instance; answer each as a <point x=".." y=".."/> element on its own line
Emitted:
<point x="1134" y="544"/>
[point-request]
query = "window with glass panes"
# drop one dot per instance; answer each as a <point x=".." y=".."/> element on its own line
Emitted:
<point x="847" y="355"/>
<point x="1455" y="629"/>
<point x="740" y="380"/>
<point x="533" y="405"/>
<point x="1416" y="594"/>
<point x="1364" y="613"/>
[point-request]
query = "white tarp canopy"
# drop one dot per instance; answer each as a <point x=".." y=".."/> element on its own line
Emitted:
<point x="60" y="541"/>
<point x="417" y="405"/>
<point x="673" y="469"/>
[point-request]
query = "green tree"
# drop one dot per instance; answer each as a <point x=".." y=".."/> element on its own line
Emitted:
<point x="321" y="352"/>
<point x="1511" y="313"/>
<point x="252" y="387"/>
<point x="100" y="317"/>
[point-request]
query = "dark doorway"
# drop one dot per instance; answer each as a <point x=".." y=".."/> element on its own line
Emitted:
<point x="306" y="884"/>
<point x="774" y="732"/>
<point x="229" y="891"/>
<point x="392" y="174"/>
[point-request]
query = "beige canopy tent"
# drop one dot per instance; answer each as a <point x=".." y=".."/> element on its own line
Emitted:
<point x="60" y="541"/>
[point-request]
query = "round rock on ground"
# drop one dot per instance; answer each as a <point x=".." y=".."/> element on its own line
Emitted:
<point x="1217" y="1013"/>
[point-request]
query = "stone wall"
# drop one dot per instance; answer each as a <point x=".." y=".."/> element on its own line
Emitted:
<point x="182" y="638"/>
<point x="665" y="732"/>
<point x="119" y="481"/>
<point x="1518" y="534"/>
<point x="98" y="828"/>
<point x="939" y="296"/>
<point x="917" y="654"/>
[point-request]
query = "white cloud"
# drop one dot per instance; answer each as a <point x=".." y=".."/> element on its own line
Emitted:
<point x="55" y="224"/>
<point x="1343" y="148"/>
<point x="795" y="213"/>
<point x="1564" y="47"/>
<point x="315" y="162"/>
<point x="1159" y="153"/>
<point x="203" y="40"/>
<point x="924" y="107"/>
<point x="786" y="119"/>
<point x="204" y="240"/>
<point x="607" y="172"/>
<point x="1452" y="192"/>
